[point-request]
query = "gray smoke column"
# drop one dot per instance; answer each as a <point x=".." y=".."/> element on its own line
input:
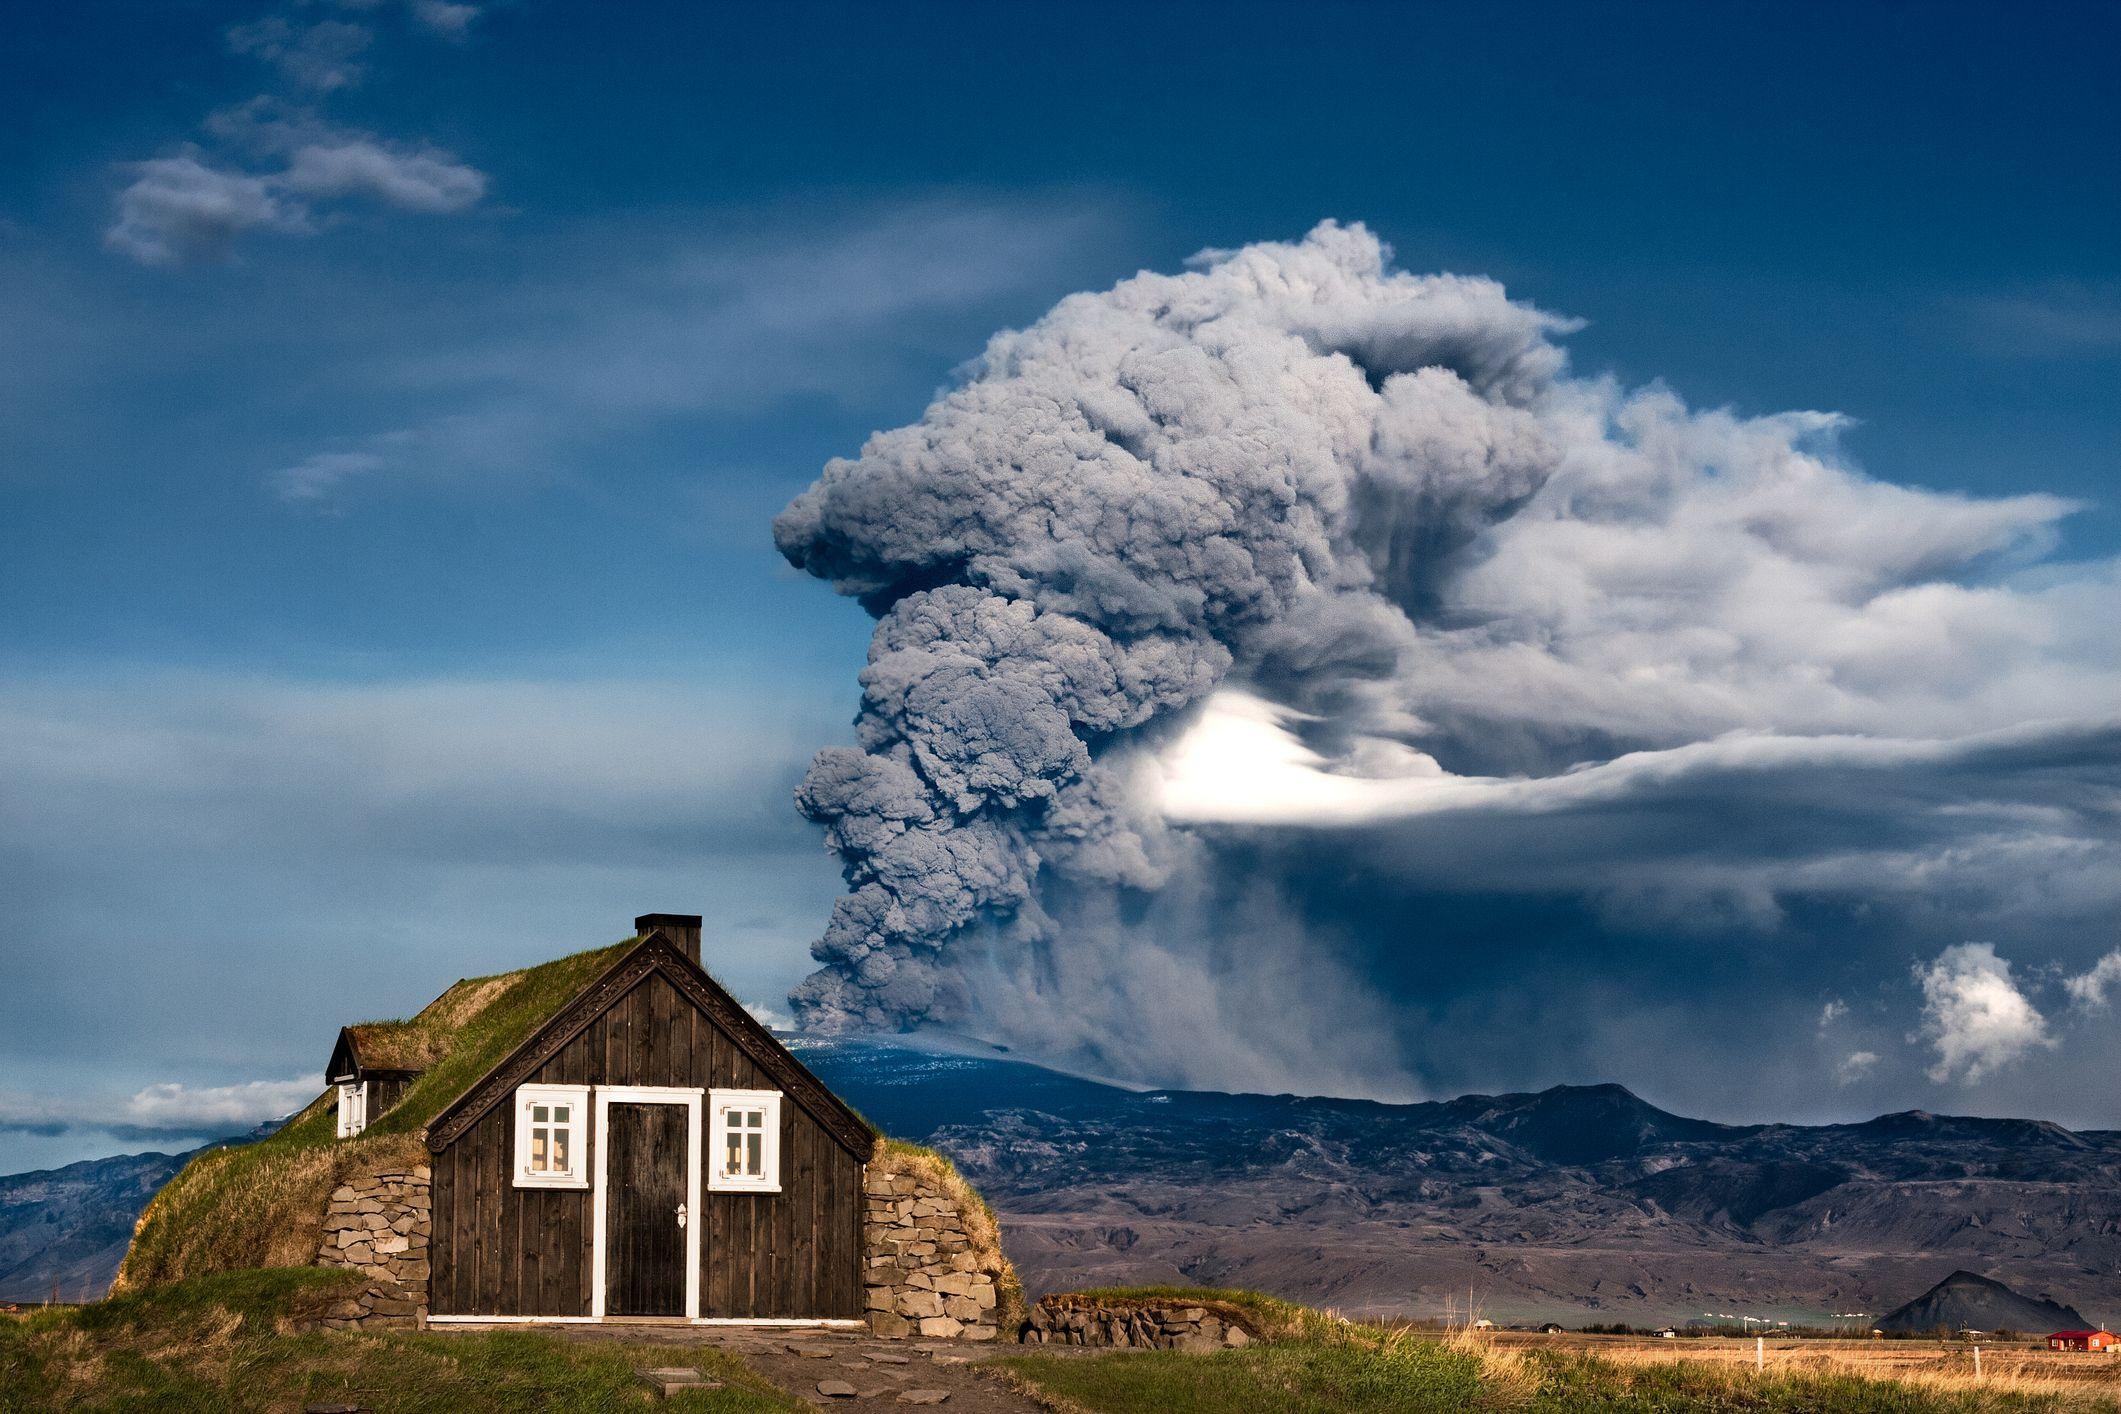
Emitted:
<point x="1262" y="466"/>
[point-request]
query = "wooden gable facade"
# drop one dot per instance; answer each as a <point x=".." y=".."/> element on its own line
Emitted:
<point x="649" y="1151"/>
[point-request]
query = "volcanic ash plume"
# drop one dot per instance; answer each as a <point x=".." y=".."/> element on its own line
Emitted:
<point x="1250" y="640"/>
<point x="1265" y="464"/>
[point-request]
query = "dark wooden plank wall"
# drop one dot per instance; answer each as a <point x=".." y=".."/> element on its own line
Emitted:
<point x="502" y="1250"/>
<point x="384" y="1091"/>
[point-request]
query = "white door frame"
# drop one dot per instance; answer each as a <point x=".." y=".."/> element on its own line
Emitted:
<point x="690" y="1097"/>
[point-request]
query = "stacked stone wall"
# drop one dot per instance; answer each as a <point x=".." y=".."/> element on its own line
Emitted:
<point x="378" y="1225"/>
<point x="931" y="1263"/>
<point x="1065" y="1320"/>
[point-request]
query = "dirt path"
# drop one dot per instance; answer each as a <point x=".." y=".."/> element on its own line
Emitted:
<point x="884" y="1374"/>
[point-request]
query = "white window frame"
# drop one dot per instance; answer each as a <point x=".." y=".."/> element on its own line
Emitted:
<point x="577" y="1098"/>
<point x="719" y="1103"/>
<point x="353" y="1107"/>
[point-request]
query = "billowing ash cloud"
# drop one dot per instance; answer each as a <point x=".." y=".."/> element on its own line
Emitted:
<point x="1121" y="502"/>
<point x="1298" y="541"/>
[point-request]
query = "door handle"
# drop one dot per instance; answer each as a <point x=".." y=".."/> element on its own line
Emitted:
<point x="681" y="1215"/>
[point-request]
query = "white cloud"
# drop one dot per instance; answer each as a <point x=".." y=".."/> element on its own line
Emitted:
<point x="767" y="1017"/>
<point x="316" y="477"/>
<point x="1832" y="1012"/>
<point x="445" y="18"/>
<point x="320" y="56"/>
<point x="429" y="181"/>
<point x="1974" y="1014"/>
<point x="1855" y="1066"/>
<point x="169" y="1110"/>
<point x="2089" y="989"/>
<point x="178" y="209"/>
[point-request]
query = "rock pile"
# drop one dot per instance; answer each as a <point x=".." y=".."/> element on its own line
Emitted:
<point x="925" y="1271"/>
<point x="1061" y="1320"/>
<point x="377" y="1224"/>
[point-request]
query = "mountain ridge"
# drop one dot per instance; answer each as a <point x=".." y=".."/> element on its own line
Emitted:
<point x="1580" y="1202"/>
<point x="1576" y="1202"/>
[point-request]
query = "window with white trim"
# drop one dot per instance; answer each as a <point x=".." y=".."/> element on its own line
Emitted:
<point x="353" y="1107"/>
<point x="552" y="1136"/>
<point x="744" y="1141"/>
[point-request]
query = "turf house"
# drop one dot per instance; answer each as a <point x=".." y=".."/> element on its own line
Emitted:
<point x="606" y="1137"/>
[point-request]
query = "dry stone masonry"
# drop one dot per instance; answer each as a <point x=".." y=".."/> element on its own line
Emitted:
<point x="925" y="1269"/>
<point x="1062" y="1320"/>
<point x="377" y="1224"/>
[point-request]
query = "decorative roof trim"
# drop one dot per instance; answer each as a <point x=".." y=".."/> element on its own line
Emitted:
<point x="655" y="954"/>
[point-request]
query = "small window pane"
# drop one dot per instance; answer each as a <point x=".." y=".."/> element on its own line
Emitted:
<point x="537" y="1150"/>
<point x="559" y="1151"/>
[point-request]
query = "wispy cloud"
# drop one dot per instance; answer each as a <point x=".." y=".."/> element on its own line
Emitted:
<point x="673" y="322"/>
<point x="450" y="20"/>
<point x="2055" y="321"/>
<point x="2089" y="990"/>
<point x="165" y="1111"/>
<point x="322" y="56"/>
<point x="281" y="167"/>
<point x="1855" y="1066"/>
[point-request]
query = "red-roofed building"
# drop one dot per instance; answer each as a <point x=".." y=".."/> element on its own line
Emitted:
<point x="2082" y="1340"/>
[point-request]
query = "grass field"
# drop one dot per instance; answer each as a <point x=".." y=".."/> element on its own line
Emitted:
<point x="1358" y="1369"/>
<point x="2017" y="1365"/>
<point x="228" y="1342"/>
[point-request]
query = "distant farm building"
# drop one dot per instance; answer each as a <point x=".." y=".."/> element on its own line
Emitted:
<point x="2082" y="1340"/>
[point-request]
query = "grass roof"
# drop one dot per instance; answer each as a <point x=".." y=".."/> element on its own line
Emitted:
<point x="262" y="1204"/>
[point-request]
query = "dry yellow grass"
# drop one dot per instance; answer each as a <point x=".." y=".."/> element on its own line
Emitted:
<point x="236" y="1209"/>
<point x="1944" y="1367"/>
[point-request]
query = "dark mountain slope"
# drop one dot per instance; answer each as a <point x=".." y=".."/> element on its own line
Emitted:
<point x="1964" y="1301"/>
<point x="1568" y="1202"/>
<point x="70" y="1225"/>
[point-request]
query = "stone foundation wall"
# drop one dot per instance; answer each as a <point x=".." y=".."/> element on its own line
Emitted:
<point x="1061" y="1320"/>
<point x="377" y="1224"/>
<point x="931" y="1261"/>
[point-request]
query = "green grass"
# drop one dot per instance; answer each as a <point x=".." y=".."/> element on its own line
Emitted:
<point x="1303" y="1377"/>
<point x="1314" y="1363"/>
<point x="228" y="1342"/>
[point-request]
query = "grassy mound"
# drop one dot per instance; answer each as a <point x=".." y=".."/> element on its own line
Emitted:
<point x="898" y="1156"/>
<point x="235" y="1341"/>
<point x="262" y="1205"/>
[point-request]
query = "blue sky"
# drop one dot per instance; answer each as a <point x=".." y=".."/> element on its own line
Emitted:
<point x="386" y="587"/>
